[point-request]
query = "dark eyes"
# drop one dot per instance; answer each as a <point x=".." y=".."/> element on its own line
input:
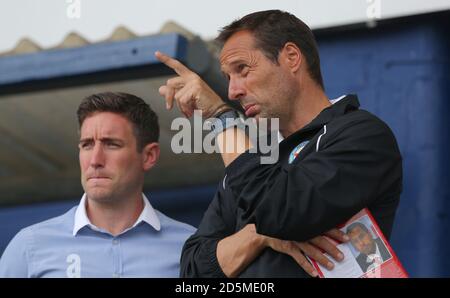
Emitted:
<point x="242" y="67"/>
<point x="239" y="69"/>
<point x="85" y="145"/>
<point x="89" y="145"/>
<point x="112" y="145"/>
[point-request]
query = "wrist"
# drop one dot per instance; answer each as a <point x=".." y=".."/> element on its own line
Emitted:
<point x="225" y="118"/>
<point x="257" y="241"/>
<point x="217" y="110"/>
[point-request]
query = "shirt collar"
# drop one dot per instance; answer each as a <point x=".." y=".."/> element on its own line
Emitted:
<point x="147" y="215"/>
<point x="280" y="137"/>
<point x="335" y="100"/>
<point x="332" y="101"/>
<point x="370" y="258"/>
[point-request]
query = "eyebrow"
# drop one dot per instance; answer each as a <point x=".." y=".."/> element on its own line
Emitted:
<point x="234" y="62"/>
<point x="103" y="140"/>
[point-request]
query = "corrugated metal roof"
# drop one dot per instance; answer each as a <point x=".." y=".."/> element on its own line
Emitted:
<point x="73" y="39"/>
<point x="24" y="46"/>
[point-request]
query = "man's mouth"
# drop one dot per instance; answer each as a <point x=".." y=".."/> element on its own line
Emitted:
<point x="251" y="110"/>
<point x="98" y="178"/>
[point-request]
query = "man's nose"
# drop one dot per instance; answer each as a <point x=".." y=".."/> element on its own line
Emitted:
<point x="236" y="89"/>
<point x="98" y="156"/>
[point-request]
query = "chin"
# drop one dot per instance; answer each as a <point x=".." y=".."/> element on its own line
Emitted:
<point x="99" y="195"/>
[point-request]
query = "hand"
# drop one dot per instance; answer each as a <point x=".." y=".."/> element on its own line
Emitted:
<point x="188" y="90"/>
<point x="312" y="248"/>
<point x="326" y="243"/>
<point x="234" y="253"/>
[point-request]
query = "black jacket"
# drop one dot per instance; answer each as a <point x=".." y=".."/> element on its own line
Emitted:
<point x="351" y="161"/>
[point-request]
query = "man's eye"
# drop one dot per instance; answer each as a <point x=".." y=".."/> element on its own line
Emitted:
<point x="85" y="145"/>
<point x="113" y="145"/>
<point x="242" y="67"/>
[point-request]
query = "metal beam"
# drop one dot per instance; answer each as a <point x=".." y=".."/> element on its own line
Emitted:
<point x="107" y="61"/>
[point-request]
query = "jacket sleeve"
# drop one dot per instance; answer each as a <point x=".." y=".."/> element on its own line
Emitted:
<point x="198" y="257"/>
<point x="354" y="167"/>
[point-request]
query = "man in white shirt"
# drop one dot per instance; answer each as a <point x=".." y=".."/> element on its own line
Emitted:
<point x="114" y="231"/>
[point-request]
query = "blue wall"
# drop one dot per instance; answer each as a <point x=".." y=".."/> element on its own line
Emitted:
<point x="401" y="73"/>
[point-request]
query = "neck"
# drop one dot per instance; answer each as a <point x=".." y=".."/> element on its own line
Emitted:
<point x="311" y="100"/>
<point x="115" y="217"/>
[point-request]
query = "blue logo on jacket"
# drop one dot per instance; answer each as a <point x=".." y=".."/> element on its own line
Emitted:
<point x="296" y="151"/>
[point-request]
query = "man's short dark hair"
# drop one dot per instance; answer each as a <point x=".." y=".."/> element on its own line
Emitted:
<point x="137" y="111"/>
<point x="272" y="29"/>
<point x="355" y="225"/>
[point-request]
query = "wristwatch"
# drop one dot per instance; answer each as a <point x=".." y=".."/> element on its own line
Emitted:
<point x="224" y="121"/>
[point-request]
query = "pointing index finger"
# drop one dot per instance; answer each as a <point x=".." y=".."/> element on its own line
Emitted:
<point x="176" y="65"/>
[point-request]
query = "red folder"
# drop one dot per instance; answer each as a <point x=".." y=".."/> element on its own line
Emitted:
<point x="364" y="257"/>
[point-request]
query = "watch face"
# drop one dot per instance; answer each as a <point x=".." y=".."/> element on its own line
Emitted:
<point x="229" y="114"/>
<point x="224" y="121"/>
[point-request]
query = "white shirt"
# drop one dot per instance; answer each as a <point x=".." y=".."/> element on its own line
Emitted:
<point x="147" y="215"/>
<point x="69" y="245"/>
<point x="370" y="258"/>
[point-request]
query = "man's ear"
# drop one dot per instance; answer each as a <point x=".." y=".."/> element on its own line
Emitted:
<point x="150" y="155"/>
<point x="292" y="56"/>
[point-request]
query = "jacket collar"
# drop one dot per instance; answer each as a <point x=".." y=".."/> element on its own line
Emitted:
<point x="341" y="107"/>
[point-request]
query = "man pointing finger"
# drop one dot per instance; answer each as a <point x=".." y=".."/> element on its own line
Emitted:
<point x="335" y="159"/>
